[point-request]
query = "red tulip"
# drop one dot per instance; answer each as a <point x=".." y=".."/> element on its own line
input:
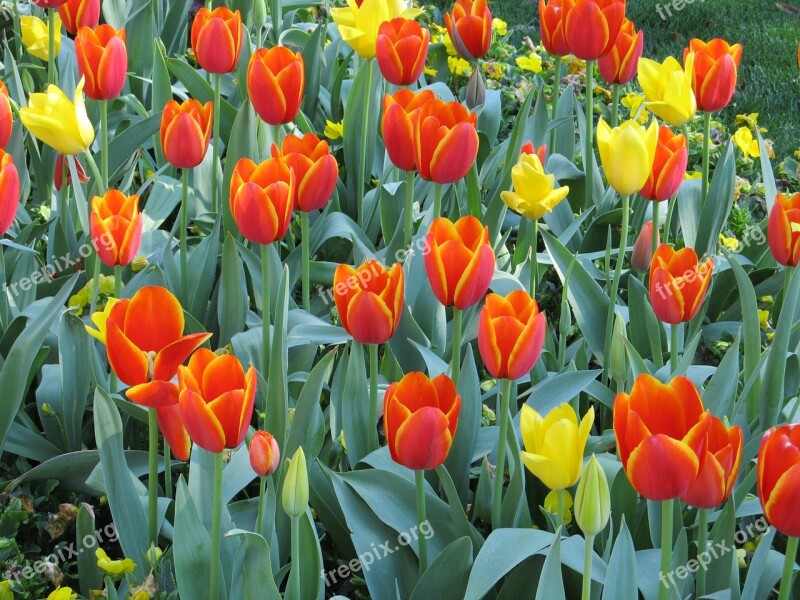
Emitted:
<point x="9" y="191"/>
<point x="217" y="39"/>
<point x="261" y="199"/>
<point x="669" y="166"/>
<point x="398" y="125"/>
<point x="678" y="283"/>
<point x="783" y="230"/>
<point x="620" y="65"/>
<point x="720" y="467"/>
<point x="265" y="456"/>
<point x="315" y="169"/>
<point x="445" y="141"/>
<point x="275" y="84"/>
<point x="779" y="477"/>
<point x="48" y="3"/>
<point x="102" y="61"/>
<point x="61" y="165"/>
<point x="79" y="13"/>
<point x="401" y="50"/>
<point x="186" y="132"/>
<point x="541" y="151"/>
<point x="470" y="28"/>
<point x="6" y="116"/>
<point x="551" y="23"/>
<point x="714" y="67"/>
<point x="116" y="226"/>
<point x="592" y="26"/>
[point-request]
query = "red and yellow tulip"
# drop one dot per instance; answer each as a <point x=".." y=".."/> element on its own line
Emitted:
<point x="9" y="191"/>
<point x="714" y="67"/>
<point x="445" y="141"/>
<point x="669" y="166"/>
<point x="79" y="13"/>
<point x="102" y="61"/>
<point x="186" y="132"/>
<point x="401" y="50"/>
<point x="591" y="26"/>
<point x="783" y="230"/>
<point x="678" y="283"/>
<point x="620" y="65"/>
<point x="779" y="477"/>
<point x="470" y="28"/>
<point x="6" y="116"/>
<point x="217" y="39"/>
<point x="399" y="111"/>
<point x="275" y="84"/>
<point x="315" y="169"/>
<point x="116" y="226"/>
<point x="719" y="469"/>
<point x="551" y="23"/>
<point x="265" y="455"/>
<point x="262" y="199"/>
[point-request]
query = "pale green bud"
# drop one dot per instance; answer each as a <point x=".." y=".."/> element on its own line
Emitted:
<point x="592" y="499"/>
<point x="295" y="486"/>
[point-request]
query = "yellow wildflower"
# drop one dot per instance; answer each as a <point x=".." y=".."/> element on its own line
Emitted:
<point x="494" y="70"/>
<point x="693" y="175"/>
<point x="532" y="63"/>
<point x="749" y="146"/>
<point x="458" y="66"/>
<point x="763" y="319"/>
<point x="632" y="101"/>
<point x="333" y="131"/>
<point x="429" y="71"/>
<point x="114" y="567"/>
<point x="730" y="243"/>
<point x="499" y="26"/>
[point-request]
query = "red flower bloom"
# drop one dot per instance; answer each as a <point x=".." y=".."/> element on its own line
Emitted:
<point x="217" y="39"/>
<point x="714" y="68"/>
<point x="399" y="110"/>
<point x="401" y="50"/>
<point x="102" y="61"/>
<point x="275" y="84"/>
<point x="470" y="28"/>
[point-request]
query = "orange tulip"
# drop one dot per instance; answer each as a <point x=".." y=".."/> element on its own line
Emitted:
<point x="779" y="477"/>
<point x="262" y="199"/>
<point x="48" y="3"/>
<point x="315" y="169"/>
<point x="9" y="191"/>
<point x="116" y="227"/>
<point x="541" y="151"/>
<point x="620" y="65"/>
<point x="714" y="72"/>
<point x="186" y="132"/>
<point x="678" y="283"/>
<point x="79" y="13"/>
<point x="551" y="23"/>
<point x="6" y="116"/>
<point x="369" y="300"/>
<point x="660" y="431"/>
<point x="401" y="50"/>
<point x="58" y="173"/>
<point x="459" y="261"/>
<point x="265" y="456"/>
<point x="145" y="352"/>
<point x="420" y="416"/>
<point x="591" y="26"/>
<point x="445" y="141"/>
<point x="216" y="399"/>
<point x="175" y="434"/>
<point x="275" y="84"/>
<point x="510" y="334"/>
<point x="783" y="230"/>
<point x="470" y="28"/>
<point x="102" y="61"/>
<point x="397" y="125"/>
<point x="217" y="39"/>
<point x="718" y="471"/>
<point x="669" y="166"/>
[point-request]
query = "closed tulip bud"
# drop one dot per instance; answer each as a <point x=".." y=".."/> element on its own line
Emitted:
<point x="360" y="20"/>
<point x="591" y="26"/>
<point x="668" y="90"/>
<point x="275" y="84"/>
<point x="643" y="248"/>
<point x="262" y="199"/>
<point x="58" y="122"/>
<point x="186" y="132"/>
<point x="669" y="166"/>
<point x="627" y="153"/>
<point x="369" y="300"/>
<point x="476" y="90"/>
<point x="402" y="48"/>
<point x="714" y="67"/>
<point x="265" y="456"/>
<point x="102" y="60"/>
<point x="116" y="226"/>
<point x="315" y="169"/>
<point x="535" y="193"/>
<point x="79" y="13"/>
<point x="62" y="169"/>
<point x="660" y="431"/>
<point x="551" y="22"/>
<point x="554" y="444"/>
<point x="678" y="283"/>
<point x="778" y="481"/>
<point x="470" y="28"/>
<point x="618" y="358"/>
<point x="397" y="125"/>
<point x="420" y="417"/>
<point x="720" y="468"/>
<point x="9" y="191"/>
<point x="619" y="65"/>
<point x="295" y="486"/>
<point x="6" y="116"/>
<point x="217" y="39"/>
<point x="783" y="230"/>
<point x="445" y="141"/>
<point x="592" y="499"/>
<point x="36" y="36"/>
<point x="541" y="151"/>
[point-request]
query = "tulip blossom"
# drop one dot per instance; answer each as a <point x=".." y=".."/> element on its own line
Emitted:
<point x="783" y="230"/>
<point x="669" y="166"/>
<point x="275" y="84"/>
<point x="660" y="430"/>
<point x="261" y="199"/>
<point x="102" y="61"/>
<point x="420" y="417"/>
<point x="62" y="170"/>
<point x="668" y="89"/>
<point x="399" y="110"/>
<point x="59" y="122"/>
<point x="779" y="477"/>
<point x="445" y="141"/>
<point x="470" y="28"/>
<point x="714" y="67"/>
<point x="6" y="116"/>
<point x="510" y="334"/>
<point x="627" y="153"/>
<point x="535" y="193"/>
<point x="642" y="253"/>
<point x="265" y="456"/>
<point x="401" y="49"/>
<point x="186" y="132"/>
<point x="718" y="471"/>
<point x="591" y="26"/>
<point x="620" y="65"/>
<point x="48" y="3"/>
<point x="541" y="151"/>
<point x="460" y="261"/>
<point x="217" y="39"/>
<point x="360" y="21"/>
<point x="79" y="13"/>
<point x="678" y="283"/>
<point x="315" y="170"/>
<point x="9" y="191"/>
<point x="369" y="300"/>
<point x="116" y="227"/>
<point x="36" y="36"/>
<point x="551" y="23"/>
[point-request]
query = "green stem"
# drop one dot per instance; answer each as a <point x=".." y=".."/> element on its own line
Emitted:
<point x="560" y="509"/>
<point x="534" y="260"/>
<point x="706" y="145"/>
<point x="306" y="266"/>
<point x="437" y="200"/>
<point x="152" y="479"/>
<point x="95" y="283"/>
<point x="612" y="305"/>
<point x="654" y="243"/>
<point x="408" y="229"/>
<point x="265" y="311"/>
<point x="216" y="153"/>
<point x="499" y="475"/>
<point x="615" y="104"/>
<point x="373" y="398"/>
<point x="588" y="158"/>
<point x="52" y="75"/>
<point x="668" y="223"/>
<point x="674" y="350"/>
<point x="262" y="501"/>
<point x="295" y="575"/>
<point x="556" y="93"/>
<point x="118" y="296"/>
<point x="702" y="547"/>
<point x="216" y="525"/>
<point x="104" y="142"/>
<point x="455" y="355"/>
<point x="365" y="133"/>
<point x="167" y="471"/>
<point x="184" y="227"/>
<point x="788" y="568"/>
<point x="587" y="568"/>
<point x="421" y="518"/>
<point x="666" y="547"/>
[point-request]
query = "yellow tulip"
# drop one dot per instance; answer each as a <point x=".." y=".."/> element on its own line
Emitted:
<point x="62" y="593"/>
<point x="535" y="193"/>
<point x="554" y="444"/>
<point x="114" y="567"/>
<point x="627" y="153"/>
<point x="358" y="24"/>
<point x="36" y="36"/>
<point x="668" y="89"/>
<point x="64" y="125"/>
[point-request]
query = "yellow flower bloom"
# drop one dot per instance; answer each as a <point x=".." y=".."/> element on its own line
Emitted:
<point x="458" y="66"/>
<point x="749" y="146"/>
<point x="693" y="175"/>
<point x="114" y="567"/>
<point x="333" y="131"/>
<point x="575" y="64"/>
<point x="554" y="444"/>
<point x="730" y="243"/>
<point x="99" y="319"/>
<point x="532" y="63"/>
<point x="448" y="44"/>
<point x="632" y="101"/>
<point x="494" y="70"/>
<point x="358" y="25"/>
<point x="668" y="89"/>
<point x="62" y="593"/>
<point x="56" y="121"/>
<point x="429" y="71"/>
<point x="499" y="26"/>
<point x="763" y="319"/>
<point x="627" y="153"/>
<point x="551" y="505"/>
<point x="36" y="36"/>
<point x="535" y="193"/>
<point x="770" y="336"/>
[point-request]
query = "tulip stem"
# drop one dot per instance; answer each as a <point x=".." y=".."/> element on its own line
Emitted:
<point x="560" y="509"/>
<point x="365" y="164"/>
<point x="167" y="470"/>
<point x="373" y="398"/>
<point x="437" y="200"/>
<point x="615" y="105"/>
<point x="421" y="518"/>
<point x="409" y="216"/>
<point x="654" y="242"/>
<point x="104" y="142"/>
<point x="52" y="76"/>
<point x="668" y="222"/>
<point x="262" y="500"/>
<point x="118" y="295"/>
<point x="788" y="568"/>
<point x="184" y="227"/>
<point x="534" y="259"/>
<point x="588" y="155"/>
<point x="706" y="145"/>
<point x="152" y="478"/>
<point x="305" y="244"/>
<point x="499" y="475"/>
<point x="702" y="547"/>
<point x="666" y="547"/>
<point x="455" y="355"/>
<point x="265" y="310"/>
<point x="612" y="297"/>
<point x="674" y="350"/>
<point x="587" y="567"/>
<point x="216" y="153"/>
<point x="296" y="557"/>
<point x="556" y="95"/>
<point x="216" y="525"/>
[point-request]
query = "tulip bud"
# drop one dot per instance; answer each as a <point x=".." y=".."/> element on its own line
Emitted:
<point x="476" y="90"/>
<point x="295" y="486"/>
<point x="643" y="248"/>
<point x="593" y="499"/>
<point x="618" y="358"/>
<point x="265" y="455"/>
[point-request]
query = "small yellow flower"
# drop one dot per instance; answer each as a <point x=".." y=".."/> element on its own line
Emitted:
<point x="632" y="101"/>
<point x="429" y="71"/>
<point x="532" y="63"/>
<point x="551" y="505"/>
<point x="575" y="64"/>
<point x="770" y="335"/>
<point x="458" y="66"/>
<point x="499" y="26"/>
<point x="114" y="567"/>
<point x="62" y="593"/>
<point x="763" y="319"/>
<point x="766" y="299"/>
<point x="494" y="70"/>
<point x="448" y="44"/>
<point x="99" y="319"/>
<point x="749" y="146"/>
<point x="36" y="36"/>
<point x="693" y="175"/>
<point x="333" y="131"/>
<point x="141" y="595"/>
<point x="730" y="243"/>
<point x="79" y="300"/>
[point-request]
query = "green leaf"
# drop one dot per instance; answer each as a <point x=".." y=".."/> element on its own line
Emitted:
<point x="308" y="425"/>
<point x="192" y="551"/>
<point x="89" y="574"/>
<point x="446" y="576"/>
<point x="461" y="453"/>
<point x="73" y="351"/>
<point x="621" y="574"/>
<point x="714" y="212"/>
<point x="278" y="396"/>
<point x="551" y="582"/>
<point x="354" y="405"/>
<point x="232" y="305"/>
<point x="257" y="580"/>
<point x="767" y="174"/>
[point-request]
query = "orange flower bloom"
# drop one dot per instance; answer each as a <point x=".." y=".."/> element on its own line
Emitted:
<point x="397" y="126"/>
<point x="470" y="28"/>
<point x="718" y="471"/>
<point x="420" y="417"/>
<point x="551" y="23"/>
<point x="510" y="334"/>
<point x="669" y="166"/>
<point x="262" y="199"/>
<point x="369" y="300"/>
<point x="175" y="434"/>
<point x="186" y="132"/>
<point x="315" y="169"/>
<point x="460" y="261"/>
<point x="216" y="399"/>
<point x="217" y="39"/>
<point x="79" y="13"/>
<point x="6" y="116"/>
<point x="783" y="230"/>
<point x="678" y="283"/>
<point x="58" y="172"/>
<point x="401" y="50"/>
<point x="779" y="477"/>
<point x="715" y="65"/>
<point x="9" y="191"/>
<point x="275" y="84"/>
<point x="541" y="151"/>
<point x="591" y="26"/>
<point x="116" y="227"/>
<point x="445" y="141"/>
<point x="265" y="456"/>
<point x="102" y="60"/>
<point x="620" y="65"/>
<point x="661" y="436"/>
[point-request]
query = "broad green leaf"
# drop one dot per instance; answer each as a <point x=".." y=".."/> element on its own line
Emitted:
<point x="446" y="576"/>
<point x="233" y="301"/>
<point x="621" y="575"/>
<point x="551" y="583"/>
<point x="258" y="582"/>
